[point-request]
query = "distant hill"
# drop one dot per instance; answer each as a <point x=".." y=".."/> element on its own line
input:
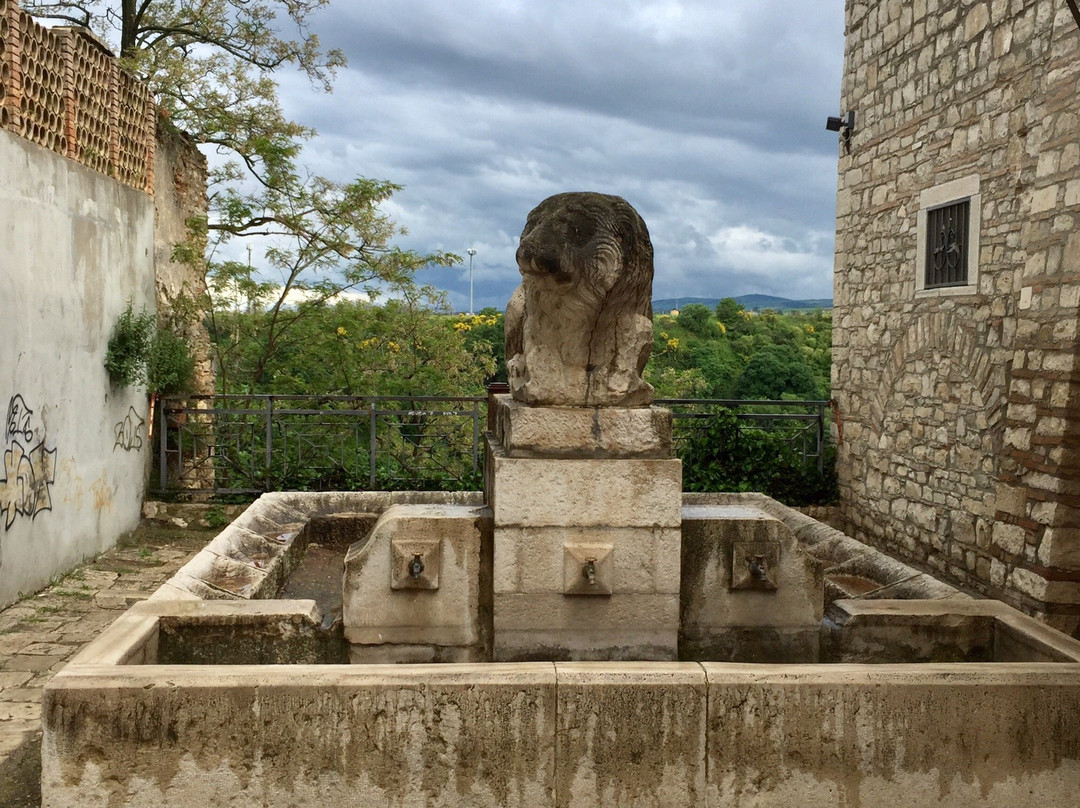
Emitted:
<point x="750" y="302"/>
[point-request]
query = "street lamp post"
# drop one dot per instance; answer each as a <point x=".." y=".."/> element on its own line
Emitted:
<point x="471" y="252"/>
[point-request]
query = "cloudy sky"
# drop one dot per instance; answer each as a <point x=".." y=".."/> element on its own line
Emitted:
<point x="707" y="116"/>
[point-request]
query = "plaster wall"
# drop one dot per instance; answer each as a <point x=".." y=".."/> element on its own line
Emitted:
<point x="959" y="406"/>
<point x="76" y="246"/>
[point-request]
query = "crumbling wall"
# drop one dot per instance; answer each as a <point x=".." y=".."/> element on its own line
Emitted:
<point x="180" y="209"/>
<point x="76" y="247"/>
<point x="959" y="406"/>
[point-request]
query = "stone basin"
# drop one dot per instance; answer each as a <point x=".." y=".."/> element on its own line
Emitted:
<point x="212" y="694"/>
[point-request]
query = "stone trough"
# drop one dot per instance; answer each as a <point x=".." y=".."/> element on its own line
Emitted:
<point x="237" y="699"/>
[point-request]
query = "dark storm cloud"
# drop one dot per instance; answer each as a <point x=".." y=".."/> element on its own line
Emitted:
<point x="708" y="117"/>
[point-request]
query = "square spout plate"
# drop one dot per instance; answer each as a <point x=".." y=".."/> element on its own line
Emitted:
<point x="588" y="569"/>
<point x="414" y="563"/>
<point x="754" y="565"/>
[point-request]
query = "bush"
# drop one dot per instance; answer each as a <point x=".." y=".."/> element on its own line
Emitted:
<point x="141" y="353"/>
<point x="726" y="456"/>
<point x="170" y="366"/>
<point x="129" y="343"/>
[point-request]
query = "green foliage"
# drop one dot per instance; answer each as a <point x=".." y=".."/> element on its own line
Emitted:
<point x="139" y="352"/>
<point x="170" y="365"/>
<point x="402" y="347"/>
<point x="698" y="320"/>
<point x="216" y="516"/>
<point x="129" y="344"/>
<point x="209" y="65"/>
<point x="741" y="354"/>
<point x="327" y="240"/>
<point x="729" y="312"/>
<point x="728" y="455"/>
<point x="776" y="371"/>
<point x="485" y="336"/>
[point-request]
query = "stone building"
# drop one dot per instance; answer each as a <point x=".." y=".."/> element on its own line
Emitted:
<point x="957" y="293"/>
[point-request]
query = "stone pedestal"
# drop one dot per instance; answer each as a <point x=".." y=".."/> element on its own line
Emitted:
<point x="587" y="515"/>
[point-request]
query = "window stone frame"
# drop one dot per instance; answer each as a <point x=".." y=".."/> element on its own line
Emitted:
<point x="949" y="193"/>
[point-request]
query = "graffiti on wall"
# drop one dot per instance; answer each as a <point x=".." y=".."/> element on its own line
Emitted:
<point x="28" y="468"/>
<point x="129" y="432"/>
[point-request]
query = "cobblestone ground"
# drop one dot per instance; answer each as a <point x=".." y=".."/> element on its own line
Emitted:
<point x="39" y="634"/>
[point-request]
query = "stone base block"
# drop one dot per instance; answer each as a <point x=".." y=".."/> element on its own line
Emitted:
<point x="756" y="644"/>
<point x="527" y="492"/>
<point x="401" y="654"/>
<point x="749" y="590"/>
<point x="550" y="626"/>
<point x="533" y="559"/>
<point x="481" y="736"/>
<point x="439" y="602"/>
<point x="582" y="432"/>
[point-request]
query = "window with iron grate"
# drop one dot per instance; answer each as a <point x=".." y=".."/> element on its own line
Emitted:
<point x="947" y="245"/>
<point x="948" y="225"/>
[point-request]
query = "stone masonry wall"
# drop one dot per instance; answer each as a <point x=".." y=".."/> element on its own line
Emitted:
<point x="961" y="412"/>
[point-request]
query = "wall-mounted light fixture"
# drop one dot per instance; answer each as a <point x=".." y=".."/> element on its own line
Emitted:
<point x="845" y="126"/>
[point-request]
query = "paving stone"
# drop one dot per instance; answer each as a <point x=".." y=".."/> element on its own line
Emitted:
<point x="20" y="710"/>
<point x="49" y="649"/>
<point x="38" y="635"/>
<point x="13" y="643"/>
<point x="13" y="679"/>
<point x="15" y="732"/>
<point x="29" y="662"/>
<point x="21" y="694"/>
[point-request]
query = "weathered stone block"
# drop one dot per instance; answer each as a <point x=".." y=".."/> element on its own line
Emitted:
<point x="630" y="735"/>
<point x="621" y="493"/>
<point x="374" y="613"/>
<point x="531" y="559"/>
<point x="827" y="737"/>
<point x="441" y="735"/>
<point x="582" y="432"/>
<point x="718" y="622"/>
<point x="555" y="626"/>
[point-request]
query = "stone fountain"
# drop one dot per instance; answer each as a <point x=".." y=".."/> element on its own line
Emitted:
<point x="607" y="605"/>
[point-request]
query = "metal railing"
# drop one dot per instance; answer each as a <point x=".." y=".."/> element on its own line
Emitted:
<point x="809" y="419"/>
<point x="248" y="444"/>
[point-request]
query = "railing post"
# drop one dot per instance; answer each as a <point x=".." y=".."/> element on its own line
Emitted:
<point x="475" y="435"/>
<point x="373" y="444"/>
<point x="820" y="439"/>
<point x="269" y="433"/>
<point x="163" y="444"/>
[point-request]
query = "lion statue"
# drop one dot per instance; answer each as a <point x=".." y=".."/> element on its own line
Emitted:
<point x="579" y="328"/>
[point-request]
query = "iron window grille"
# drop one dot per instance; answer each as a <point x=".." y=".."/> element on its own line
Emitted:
<point x="947" y="245"/>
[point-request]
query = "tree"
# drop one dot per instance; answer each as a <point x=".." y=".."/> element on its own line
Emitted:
<point x="326" y="239"/>
<point x="698" y="320"/>
<point x="403" y="347"/>
<point x="776" y="371"/>
<point x="729" y="311"/>
<point x="210" y="65"/>
<point x="485" y="336"/>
